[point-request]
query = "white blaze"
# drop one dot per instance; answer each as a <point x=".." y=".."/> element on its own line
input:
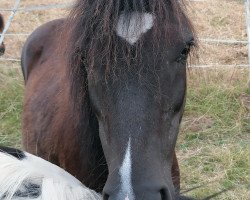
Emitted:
<point x="125" y="173"/>
<point x="132" y="26"/>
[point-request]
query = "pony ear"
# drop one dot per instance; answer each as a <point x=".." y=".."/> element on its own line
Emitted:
<point x="33" y="177"/>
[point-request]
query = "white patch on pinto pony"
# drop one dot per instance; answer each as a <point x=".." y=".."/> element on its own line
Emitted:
<point x="125" y="173"/>
<point x="132" y="26"/>
<point x="54" y="183"/>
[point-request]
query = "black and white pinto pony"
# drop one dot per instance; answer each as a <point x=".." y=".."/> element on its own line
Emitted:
<point x="105" y="95"/>
<point x="27" y="177"/>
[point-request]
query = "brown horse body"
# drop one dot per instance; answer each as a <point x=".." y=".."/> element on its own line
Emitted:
<point x="2" y="47"/>
<point x="51" y="129"/>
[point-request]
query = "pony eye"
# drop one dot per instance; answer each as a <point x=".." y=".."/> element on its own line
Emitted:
<point x="184" y="53"/>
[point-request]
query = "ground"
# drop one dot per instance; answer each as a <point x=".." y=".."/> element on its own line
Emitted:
<point x="213" y="146"/>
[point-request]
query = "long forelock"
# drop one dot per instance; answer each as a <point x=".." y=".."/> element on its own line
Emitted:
<point x="92" y="26"/>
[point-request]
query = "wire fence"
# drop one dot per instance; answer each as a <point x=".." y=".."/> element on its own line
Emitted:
<point x="16" y="8"/>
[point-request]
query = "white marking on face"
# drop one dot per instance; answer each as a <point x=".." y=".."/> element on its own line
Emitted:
<point x="131" y="27"/>
<point x="125" y="173"/>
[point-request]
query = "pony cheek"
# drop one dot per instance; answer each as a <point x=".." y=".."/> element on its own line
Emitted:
<point x="174" y="129"/>
<point x="104" y="138"/>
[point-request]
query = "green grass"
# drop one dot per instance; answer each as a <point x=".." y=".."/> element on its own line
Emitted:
<point x="213" y="146"/>
<point x="11" y="95"/>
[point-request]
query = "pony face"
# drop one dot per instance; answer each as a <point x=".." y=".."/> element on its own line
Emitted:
<point x="139" y="110"/>
<point x="133" y="54"/>
<point x="2" y="46"/>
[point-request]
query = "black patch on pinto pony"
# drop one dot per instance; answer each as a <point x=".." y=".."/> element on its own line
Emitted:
<point x="13" y="152"/>
<point x="29" y="189"/>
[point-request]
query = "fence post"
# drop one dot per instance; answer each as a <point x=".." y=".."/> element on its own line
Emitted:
<point x="248" y="32"/>
<point x="13" y="12"/>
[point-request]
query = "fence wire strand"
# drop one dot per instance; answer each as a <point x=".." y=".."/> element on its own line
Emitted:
<point x="41" y="7"/>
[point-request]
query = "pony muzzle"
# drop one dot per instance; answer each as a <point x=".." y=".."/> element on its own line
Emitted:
<point x="147" y="189"/>
<point x="162" y="193"/>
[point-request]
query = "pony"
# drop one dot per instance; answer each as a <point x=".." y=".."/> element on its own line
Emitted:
<point x="2" y="46"/>
<point x="105" y="93"/>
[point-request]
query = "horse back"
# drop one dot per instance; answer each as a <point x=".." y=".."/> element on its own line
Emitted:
<point x="39" y="46"/>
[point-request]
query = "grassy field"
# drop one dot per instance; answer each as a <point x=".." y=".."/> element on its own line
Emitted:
<point x="213" y="147"/>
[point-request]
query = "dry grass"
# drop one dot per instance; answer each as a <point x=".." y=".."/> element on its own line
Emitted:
<point x="26" y="22"/>
<point x="213" y="147"/>
<point x="222" y="19"/>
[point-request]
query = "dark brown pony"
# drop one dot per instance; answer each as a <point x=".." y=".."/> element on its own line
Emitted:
<point x="105" y="93"/>
<point x="2" y="47"/>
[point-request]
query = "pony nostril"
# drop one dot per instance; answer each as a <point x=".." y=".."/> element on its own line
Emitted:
<point x="105" y="196"/>
<point x="165" y="194"/>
